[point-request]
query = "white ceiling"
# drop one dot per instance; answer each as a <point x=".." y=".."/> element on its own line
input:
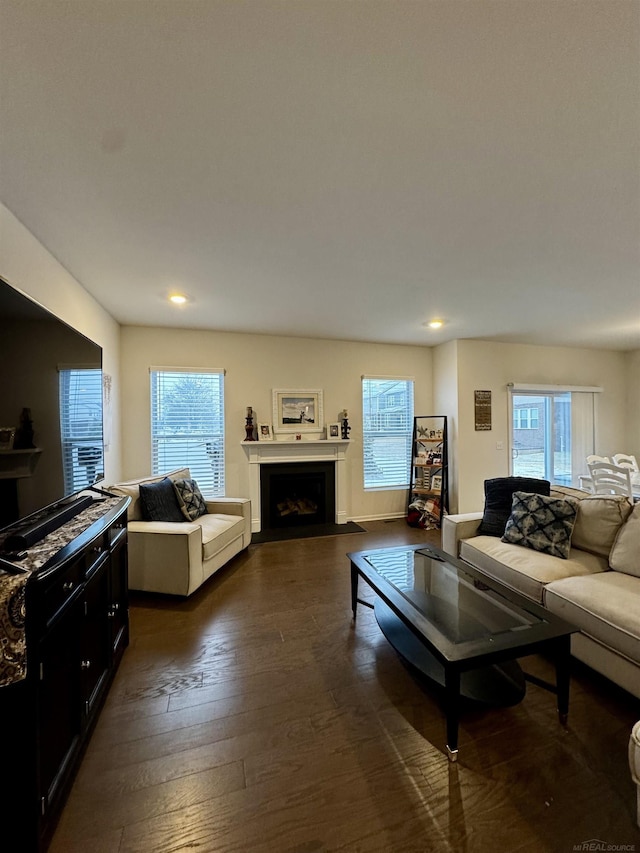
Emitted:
<point x="342" y="169"/>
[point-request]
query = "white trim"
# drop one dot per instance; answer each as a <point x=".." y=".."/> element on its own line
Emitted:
<point x="379" y="376"/>
<point x="518" y="387"/>
<point x="510" y="430"/>
<point x="380" y="517"/>
<point x="154" y="368"/>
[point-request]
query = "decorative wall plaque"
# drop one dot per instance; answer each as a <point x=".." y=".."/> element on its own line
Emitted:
<point x="482" y="400"/>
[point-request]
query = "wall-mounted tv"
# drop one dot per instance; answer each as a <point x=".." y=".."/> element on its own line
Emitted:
<point x="50" y="398"/>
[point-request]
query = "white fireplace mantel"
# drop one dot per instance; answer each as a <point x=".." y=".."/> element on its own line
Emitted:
<point x="320" y="450"/>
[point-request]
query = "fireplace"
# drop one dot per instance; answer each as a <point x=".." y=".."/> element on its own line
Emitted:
<point x="295" y="494"/>
<point x="266" y="454"/>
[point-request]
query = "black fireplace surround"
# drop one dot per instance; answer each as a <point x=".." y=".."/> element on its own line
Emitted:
<point x="296" y="494"/>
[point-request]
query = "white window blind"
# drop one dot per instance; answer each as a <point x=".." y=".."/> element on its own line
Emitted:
<point x="80" y="391"/>
<point x="387" y="418"/>
<point x="187" y="425"/>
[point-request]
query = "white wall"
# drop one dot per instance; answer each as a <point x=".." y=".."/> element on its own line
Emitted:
<point x="445" y="402"/>
<point x="632" y="380"/>
<point x="256" y="364"/>
<point x="445" y="380"/>
<point x="29" y="267"/>
<point x="490" y="366"/>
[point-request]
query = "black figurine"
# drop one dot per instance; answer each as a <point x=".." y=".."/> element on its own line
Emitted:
<point x="24" y="434"/>
<point x="249" y="428"/>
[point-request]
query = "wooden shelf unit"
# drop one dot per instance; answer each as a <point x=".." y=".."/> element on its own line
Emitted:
<point x="429" y="488"/>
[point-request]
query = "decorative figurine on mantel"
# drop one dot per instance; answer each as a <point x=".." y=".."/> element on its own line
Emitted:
<point x="24" y="434"/>
<point x="346" y="429"/>
<point x="249" y="429"/>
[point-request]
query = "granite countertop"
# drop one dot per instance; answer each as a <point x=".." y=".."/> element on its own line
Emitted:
<point x="40" y="553"/>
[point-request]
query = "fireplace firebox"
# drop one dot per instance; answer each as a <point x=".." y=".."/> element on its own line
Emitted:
<point x="295" y="494"/>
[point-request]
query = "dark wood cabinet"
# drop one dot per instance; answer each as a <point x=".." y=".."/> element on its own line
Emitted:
<point x="77" y="628"/>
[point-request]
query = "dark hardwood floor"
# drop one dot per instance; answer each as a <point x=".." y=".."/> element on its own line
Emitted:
<point x="254" y="717"/>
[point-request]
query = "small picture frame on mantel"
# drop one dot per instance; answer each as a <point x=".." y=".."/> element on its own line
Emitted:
<point x="265" y="432"/>
<point x="7" y="435"/>
<point x="333" y="431"/>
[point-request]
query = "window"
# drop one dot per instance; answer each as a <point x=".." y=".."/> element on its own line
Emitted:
<point x="387" y="417"/>
<point x="80" y="391"/>
<point x="187" y="425"/>
<point x="525" y="418"/>
<point x="552" y="432"/>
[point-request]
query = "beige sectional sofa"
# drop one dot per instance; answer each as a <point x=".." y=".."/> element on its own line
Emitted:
<point x="597" y="588"/>
<point x="634" y="762"/>
<point x="177" y="557"/>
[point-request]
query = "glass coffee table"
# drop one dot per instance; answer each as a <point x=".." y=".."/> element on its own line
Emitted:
<point x="460" y="628"/>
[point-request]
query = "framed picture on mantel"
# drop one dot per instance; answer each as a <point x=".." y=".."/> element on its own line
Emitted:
<point x="297" y="411"/>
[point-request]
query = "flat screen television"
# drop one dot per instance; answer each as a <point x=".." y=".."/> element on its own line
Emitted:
<point x="51" y="433"/>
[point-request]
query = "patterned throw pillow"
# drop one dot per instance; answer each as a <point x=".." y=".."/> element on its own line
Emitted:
<point x="190" y="499"/>
<point x="541" y="523"/>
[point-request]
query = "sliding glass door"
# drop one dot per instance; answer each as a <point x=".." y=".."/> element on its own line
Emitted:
<point x="541" y="436"/>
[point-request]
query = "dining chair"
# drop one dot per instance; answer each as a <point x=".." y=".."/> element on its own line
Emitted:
<point x="586" y="482"/>
<point x="610" y="479"/>
<point x="626" y="461"/>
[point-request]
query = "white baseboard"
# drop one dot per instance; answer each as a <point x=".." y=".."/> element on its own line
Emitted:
<point x="385" y="517"/>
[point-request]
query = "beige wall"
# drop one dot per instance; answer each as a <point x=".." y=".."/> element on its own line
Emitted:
<point x="255" y="364"/>
<point x="445" y="402"/>
<point x="632" y="382"/>
<point x="29" y="267"/>
<point x="445" y="380"/>
<point x="490" y="366"/>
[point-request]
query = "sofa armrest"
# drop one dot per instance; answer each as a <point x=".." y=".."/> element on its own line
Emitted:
<point x="230" y="506"/>
<point x="165" y="556"/>
<point x="457" y="527"/>
<point x="170" y="528"/>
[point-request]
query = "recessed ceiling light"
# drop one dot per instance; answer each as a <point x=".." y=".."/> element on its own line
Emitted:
<point x="177" y="298"/>
<point x="435" y="324"/>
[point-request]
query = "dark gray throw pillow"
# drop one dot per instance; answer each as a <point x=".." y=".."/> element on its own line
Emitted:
<point x="498" y="494"/>
<point x="541" y="523"/>
<point x="159" y="501"/>
<point x="190" y="499"/>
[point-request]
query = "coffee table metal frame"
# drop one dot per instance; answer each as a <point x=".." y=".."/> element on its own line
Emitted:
<point x="551" y="635"/>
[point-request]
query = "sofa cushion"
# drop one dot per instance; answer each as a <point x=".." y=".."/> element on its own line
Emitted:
<point x="159" y="501"/>
<point x="189" y="499"/>
<point x="558" y="491"/>
<point x="625" y="554"/>
<point x="541" y="523"/>
<point x="598" y="522"/>
<point x="131" y="489"/>
<point x="218" y="530"/>
<point x="603" y="606"/>
<point x="498" y="494"/>
<point x="524" y="570"/>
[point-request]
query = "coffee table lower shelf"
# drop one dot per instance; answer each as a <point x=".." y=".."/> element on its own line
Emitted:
<point x="498" y="685"/>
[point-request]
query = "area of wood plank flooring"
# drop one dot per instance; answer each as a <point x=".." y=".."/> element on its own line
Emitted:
<point x="254" y="716"/>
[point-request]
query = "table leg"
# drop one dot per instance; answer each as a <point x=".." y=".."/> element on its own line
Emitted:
<point x="563" y="659"/>
<point x="354" y="590"/>
<point x="452" y="709"/>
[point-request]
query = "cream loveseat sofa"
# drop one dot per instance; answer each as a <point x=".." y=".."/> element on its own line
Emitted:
<point x="176" y="557"/>
<point x="597" y="588"/>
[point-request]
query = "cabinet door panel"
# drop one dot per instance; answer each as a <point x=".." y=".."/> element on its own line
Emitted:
<point x="119" y="598"/>
<point x="95" y="652"/>
<point x="59" y="714"/>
